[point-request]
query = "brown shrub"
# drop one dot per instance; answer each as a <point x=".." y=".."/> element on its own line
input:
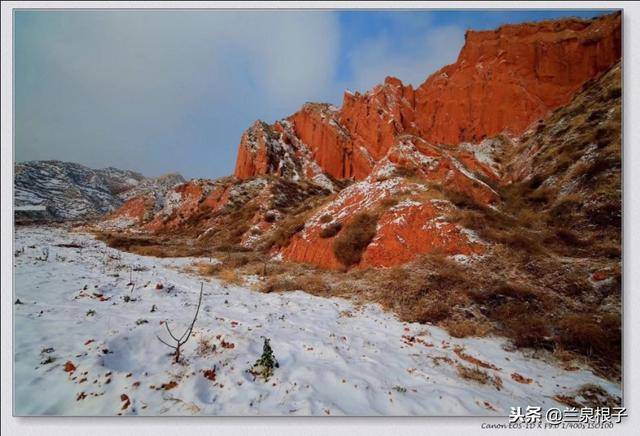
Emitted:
<point x="314" y="284"/>
<point x="325" y="218"/>
<point x="288" y="227"/>
<point x="542" y="195"/>
<point x="565" y="207"/>
<point x="236" y="260"/>
<point x="441" y="273"/>
<point x="509" y="310"/>
<point x="528" y="330"/>
<point x="584" y="334"/>
<point x="498" y="227"/>
<point x="591" y="168"/>
<point x="354" y="238"/>
<point x="182" y="250"/>
<point x="571" y="238"/>
<point x="529" y="218"/>
<point x="461" y="200"/>
<point x="329" y="231"/>
<point x="517" y="291"/>
<point x="518" y="240"/>
<point x="574" y="283"/>
<point x="606" y="214"/>
<point x="431" y="311"/>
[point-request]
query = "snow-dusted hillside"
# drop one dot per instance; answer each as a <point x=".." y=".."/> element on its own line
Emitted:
<point x="153" y="185"/>
<point x="85" y="344"/>
<point x="71" y="190"/>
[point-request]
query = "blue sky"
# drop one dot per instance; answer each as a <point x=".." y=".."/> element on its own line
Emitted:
<point x="161" y="91"/>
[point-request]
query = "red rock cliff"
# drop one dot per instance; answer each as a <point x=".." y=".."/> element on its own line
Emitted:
<point x="503" y="80"/>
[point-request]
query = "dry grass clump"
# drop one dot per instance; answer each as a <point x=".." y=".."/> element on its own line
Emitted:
<point x="467" y="327"/>
<point x="529" y="330"/>
<point x="231" y="276"/>
<point x="565" y="207"/>
<point x="474" y="374"/>
<point x="354" y="238"/>
<point x="218" y="270"/>
<point x="593" y="337"/>
<point x="479" y="376"/>
<point x="427" y="290"/>
<point x="516" y="291"/>
<point x="496" y="296"/>
<point x="279" y="284"/>
<point x="431" y="311"/>
<point x="150" y="245"/>
<point x="500" y="228"/>
<point x="208" y="269"/>
<point x="206" y="347"/>
<point x="312" y="284"/>
<point x="596" y="397"/>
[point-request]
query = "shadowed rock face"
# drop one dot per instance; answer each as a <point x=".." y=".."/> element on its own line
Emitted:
<point x="412" y="154"/>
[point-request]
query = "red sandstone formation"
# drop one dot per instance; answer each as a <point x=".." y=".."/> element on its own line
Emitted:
<point x="503" y="80"/>
<point x="411" y="227"/>
<point x="507" y="78"/>
<point x="444" y="133"/>
<point x="134" y="209"/>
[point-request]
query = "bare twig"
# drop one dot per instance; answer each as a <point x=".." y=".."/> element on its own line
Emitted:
<point x="133" y="285"/>
<point x="187" y="333"/>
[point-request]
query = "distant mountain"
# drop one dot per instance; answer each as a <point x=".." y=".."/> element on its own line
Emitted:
<point x="70" y="190"/>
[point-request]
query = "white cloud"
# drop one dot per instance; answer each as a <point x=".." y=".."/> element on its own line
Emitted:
<point x="426" y="51"/>
<point x="130" y="88"/>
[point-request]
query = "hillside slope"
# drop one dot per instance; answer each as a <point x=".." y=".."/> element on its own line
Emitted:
<point x="71" y="191"/>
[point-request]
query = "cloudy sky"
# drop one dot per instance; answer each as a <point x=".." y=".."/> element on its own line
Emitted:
<point x="161" y="91"/>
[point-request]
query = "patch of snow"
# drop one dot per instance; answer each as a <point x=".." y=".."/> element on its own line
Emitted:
<point x="329" y="363"/>
<point x="30" y="208"/>
<point x="471" y="235"/>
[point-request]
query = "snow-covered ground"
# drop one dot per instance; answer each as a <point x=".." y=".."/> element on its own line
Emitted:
<point x="85" y="344"/>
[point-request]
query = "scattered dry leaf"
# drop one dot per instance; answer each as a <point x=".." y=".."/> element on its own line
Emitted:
<point x="126" y="400"/>
<point x="521" y="379"/>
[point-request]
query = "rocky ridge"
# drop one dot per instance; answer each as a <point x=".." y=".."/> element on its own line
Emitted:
<point x="74" y="191"/>
<point x="408" y="159"/>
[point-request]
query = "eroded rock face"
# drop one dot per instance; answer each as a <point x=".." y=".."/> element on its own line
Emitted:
<point x="318" y="126"/>
<point x="416" y="225"/>
<point x="185" y="202"/>
<point x="375" y="118"/>
<point x="503" y="80"/>
<point x="277" y="150"/>
<point x="409" y="151"/>
<point x="507" y="78"/>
